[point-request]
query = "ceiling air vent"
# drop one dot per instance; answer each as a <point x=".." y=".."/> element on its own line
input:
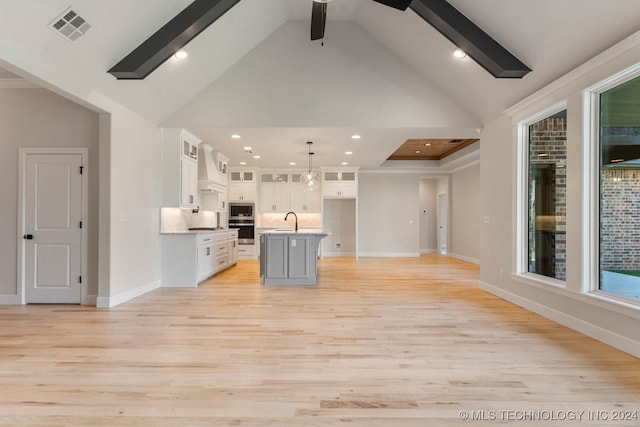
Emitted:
<point x="70" y="25"/>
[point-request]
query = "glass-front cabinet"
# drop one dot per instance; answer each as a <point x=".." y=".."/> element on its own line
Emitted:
<point x="340" y="183"/>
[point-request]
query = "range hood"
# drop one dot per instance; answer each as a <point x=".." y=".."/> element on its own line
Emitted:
<point x="210" y="177"/>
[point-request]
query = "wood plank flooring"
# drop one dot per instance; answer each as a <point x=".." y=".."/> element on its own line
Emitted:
<point x="378" y="342"/>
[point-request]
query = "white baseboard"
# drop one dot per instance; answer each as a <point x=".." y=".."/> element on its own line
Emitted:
<point x="90" y="300"/>
<point x="465" y="258"/>
<point x="337" y="254"/>
<point x="10" y="300"/>
<point x="428" y="251"/>
<point x="594" y="331"/>
<point x="112" y="301"/>
<point x="389" y="254"/>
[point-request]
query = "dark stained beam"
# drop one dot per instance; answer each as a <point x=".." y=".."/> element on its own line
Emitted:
<point x="170" y="38"/>
<point x="470" y="38"/>
<point x="396" y="4"/>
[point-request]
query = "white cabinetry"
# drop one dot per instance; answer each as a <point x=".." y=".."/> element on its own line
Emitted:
<point x="301" y="200"/>
<point x="242" y="186"/>
<point x="206" y="256"/>
<point x="274" y="192"/>
<point x="340" y="183"/>
<point x="190" y="258"/>
<point x="179" y="168"/>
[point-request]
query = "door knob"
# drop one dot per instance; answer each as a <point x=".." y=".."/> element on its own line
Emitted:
<point x="28" y="237"/>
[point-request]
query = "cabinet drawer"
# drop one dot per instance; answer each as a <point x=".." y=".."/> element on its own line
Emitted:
<point x="205" y="239"/>
<point x="221" y="261"/>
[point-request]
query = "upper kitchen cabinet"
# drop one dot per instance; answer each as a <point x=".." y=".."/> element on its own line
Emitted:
<point x="340" y="183"/>
<point x="302" y="200"/>
<point x="242" y="186"/>
<point x="274" y="192"/>
<point x="179" y="168"/>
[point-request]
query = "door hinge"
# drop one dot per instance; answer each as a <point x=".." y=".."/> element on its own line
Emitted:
<point x="81" y="169"/>
<point x="80" y="224"/>
<point x="79" y="279"/>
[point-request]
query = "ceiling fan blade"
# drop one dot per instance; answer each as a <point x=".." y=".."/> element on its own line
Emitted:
<point x="318" y="20"/>
<point x="396" y="4"/>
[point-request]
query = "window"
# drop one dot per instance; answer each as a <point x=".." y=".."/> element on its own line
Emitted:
<point x="546" y="196"/>
<point x="619" y="189"/>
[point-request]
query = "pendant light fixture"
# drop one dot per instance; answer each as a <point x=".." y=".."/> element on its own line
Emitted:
<point x="310" y="179"/>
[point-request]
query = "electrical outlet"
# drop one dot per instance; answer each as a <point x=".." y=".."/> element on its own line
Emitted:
<point x="338" y="245"/>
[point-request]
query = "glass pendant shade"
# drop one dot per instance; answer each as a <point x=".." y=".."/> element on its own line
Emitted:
<point x="310" y="179"/>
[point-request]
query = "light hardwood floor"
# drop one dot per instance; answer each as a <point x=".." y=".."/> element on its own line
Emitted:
<point x="378" y="342"/>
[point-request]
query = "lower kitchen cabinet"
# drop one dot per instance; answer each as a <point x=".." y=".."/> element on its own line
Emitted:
<point x="190" y="258"/>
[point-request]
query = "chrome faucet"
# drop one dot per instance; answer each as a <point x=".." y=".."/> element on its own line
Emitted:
<point x="294" y="214"/>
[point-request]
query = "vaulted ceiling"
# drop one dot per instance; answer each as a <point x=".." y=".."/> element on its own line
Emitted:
<point x="382" y="73"/>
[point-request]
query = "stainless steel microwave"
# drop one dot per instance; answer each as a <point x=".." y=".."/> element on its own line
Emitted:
<point x="241" y="210"/>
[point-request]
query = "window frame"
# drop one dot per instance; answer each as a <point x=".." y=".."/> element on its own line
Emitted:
<point x="522" y="199"/>
<point x="591" y="186"/>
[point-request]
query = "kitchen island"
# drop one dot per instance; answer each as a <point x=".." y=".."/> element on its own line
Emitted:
<point x="289" y="257"/>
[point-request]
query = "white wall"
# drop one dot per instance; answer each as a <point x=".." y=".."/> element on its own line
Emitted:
<point x="339" y="220"/>
<point x="130" y="228"/>
<point x="35" y="117"/>
<point x="614" y="323"/>
<point x="466" y="214"/>
<point x="335" y="85"/>
<point x="388" y="214"/>
<point x="428" y="222"/>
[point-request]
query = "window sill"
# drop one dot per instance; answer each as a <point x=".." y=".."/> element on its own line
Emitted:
<point x="599" y="299"/>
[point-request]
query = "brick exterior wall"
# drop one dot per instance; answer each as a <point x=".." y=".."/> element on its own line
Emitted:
<point x="548" y="145"/>
<point x="620" y="219"/>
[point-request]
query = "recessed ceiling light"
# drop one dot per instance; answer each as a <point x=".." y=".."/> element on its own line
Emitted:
<point x="344" y="163"/>
<point x="181" y="54"/>
<point x="292" y="163"/>
<point x="355" y="136"/>
<point x="417" y="151"/>
<point x="256" y="157"/>
<point x="243" y="163"/>
<point x="459" y="53"/>
<point x="247" y="149"/>
<point x="428" y="144"/>
<point x="235" y="136"/>
<point x="348" y="153"/>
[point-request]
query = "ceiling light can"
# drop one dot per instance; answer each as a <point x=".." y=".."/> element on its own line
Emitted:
<point x="459" y="53"/>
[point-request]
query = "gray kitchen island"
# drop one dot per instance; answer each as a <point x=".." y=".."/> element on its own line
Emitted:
<point x="289" y="257"/>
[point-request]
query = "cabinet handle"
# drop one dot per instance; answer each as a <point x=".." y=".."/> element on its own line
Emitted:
<point x="190" y="198"/>
<point x="208" y="251"/>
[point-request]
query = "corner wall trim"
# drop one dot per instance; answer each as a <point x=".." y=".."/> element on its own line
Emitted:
<point x="596" y="332"/>
<point x="108" y="302"/>
<point x="464" y="258"/>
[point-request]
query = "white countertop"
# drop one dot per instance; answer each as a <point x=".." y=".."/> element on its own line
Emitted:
<point x="291" y="231"/>
<point x="225" y="230"/>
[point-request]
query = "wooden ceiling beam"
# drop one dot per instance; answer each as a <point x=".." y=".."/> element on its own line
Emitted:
<point x="477" y="44"/>
<point x="169" y="39"/>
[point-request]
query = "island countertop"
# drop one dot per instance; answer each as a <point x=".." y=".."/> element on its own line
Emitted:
<point x="301" y="231"/>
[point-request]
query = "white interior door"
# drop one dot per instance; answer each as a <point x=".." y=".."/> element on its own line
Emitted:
<point x="442" y="223"/>
<point x="52" y="228"/>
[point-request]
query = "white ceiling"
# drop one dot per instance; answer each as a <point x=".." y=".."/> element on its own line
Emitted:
<point x="383" y="73"/>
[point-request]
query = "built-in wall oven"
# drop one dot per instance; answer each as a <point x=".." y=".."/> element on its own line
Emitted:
<point x="241" y="217"/>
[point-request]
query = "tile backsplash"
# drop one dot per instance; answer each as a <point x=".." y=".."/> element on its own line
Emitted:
<point x="176" y="219"/>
